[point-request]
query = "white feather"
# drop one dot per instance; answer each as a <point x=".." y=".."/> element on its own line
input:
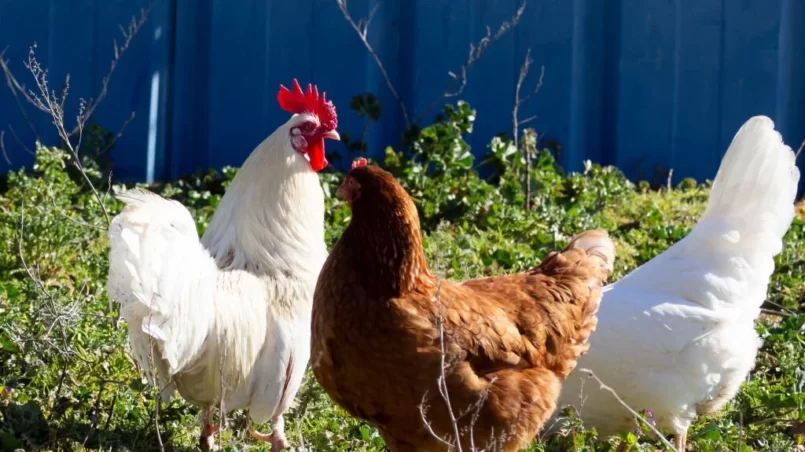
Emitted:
<point x="233" y="310"/>
<point x="677" y="335"/>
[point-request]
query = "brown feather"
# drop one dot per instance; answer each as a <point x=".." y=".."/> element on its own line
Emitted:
<point x="509" y="340"/>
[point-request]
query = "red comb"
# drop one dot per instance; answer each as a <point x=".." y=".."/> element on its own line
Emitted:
<point x="359" y="162"/>
<point x="297" y="101"/>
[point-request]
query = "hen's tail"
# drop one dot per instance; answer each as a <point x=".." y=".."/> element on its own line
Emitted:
<point x="750" y="209"/>
<point x="162" y="278"/>
<point x="756" y="184"/>
<point x="600" y="252"/>
<point x="583" y="268"/>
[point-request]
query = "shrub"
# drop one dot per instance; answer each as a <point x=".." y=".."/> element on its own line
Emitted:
<point x="66" y="380"/>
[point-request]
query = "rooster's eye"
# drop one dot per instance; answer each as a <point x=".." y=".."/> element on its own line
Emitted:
<point x="308" y="126"/>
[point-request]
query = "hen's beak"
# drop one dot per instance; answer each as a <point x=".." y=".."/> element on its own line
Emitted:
<point x="333" y="135"/>
<point x="341" y="192"/>
<point x="348" y="190"/>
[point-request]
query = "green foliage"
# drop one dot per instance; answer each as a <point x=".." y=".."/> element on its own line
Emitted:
<point x="66" y="381"/>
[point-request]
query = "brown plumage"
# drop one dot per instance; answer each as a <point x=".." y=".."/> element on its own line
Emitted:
<point x="509" y="340"/>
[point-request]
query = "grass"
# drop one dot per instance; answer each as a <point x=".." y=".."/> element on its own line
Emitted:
<point x="67" y="383"/>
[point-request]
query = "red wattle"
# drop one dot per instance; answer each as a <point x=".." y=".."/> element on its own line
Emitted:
<point x="315" y="151"/>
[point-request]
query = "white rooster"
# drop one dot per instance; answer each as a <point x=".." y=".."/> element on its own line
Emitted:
<point x="677" y="334"/>
<point x="226" y="320"/>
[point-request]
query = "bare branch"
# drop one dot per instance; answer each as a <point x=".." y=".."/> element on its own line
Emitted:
<point x="19" y="141"/>
<point x="18" y="90"/>
<point x="3" y="147"/>
<point x="221" y="410"/>
<point x="475" y="53"/>
<point x="442" y="382"/>
<point x="67" y="217"/>
<point x="633" y="412"/>
<point x="520" y="100"/>
<point x="477" y="50"/>
<point x="517" y="122"/>
<point x="787" y="311"/>
<point x="95" y="413"/>
<point x="128" y="35"/>
<point x="154" y="374"/>
<point x="801" y="145"/>
<point x="362" y="29"/>
<point x="37" y="282"/>
<point x="445" y="366"/>
<point x="117" y="136"/>
<point x="47" y="100"/>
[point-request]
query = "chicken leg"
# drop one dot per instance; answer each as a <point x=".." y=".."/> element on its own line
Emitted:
<point x="276" y="437"/>
<point x="680" y="441"/>
<point x="208" y="430"/>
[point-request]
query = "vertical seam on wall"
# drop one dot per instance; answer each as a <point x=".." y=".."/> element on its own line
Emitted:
<point x="675" y="100"/>
<point x="611" y="83"/>
<point x="721" y="81"/>
<point x="167" y="136"/>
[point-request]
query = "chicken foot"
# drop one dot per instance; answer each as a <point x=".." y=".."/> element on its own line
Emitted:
<point x="208" y="430"/>
<point x="680" y="441"/>
<point x="276" y="437"/>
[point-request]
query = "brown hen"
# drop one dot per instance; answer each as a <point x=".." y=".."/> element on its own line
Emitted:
<point x="509" y="341"/>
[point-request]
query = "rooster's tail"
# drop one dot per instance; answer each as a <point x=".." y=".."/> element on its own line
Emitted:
<point x="162" y="278"/>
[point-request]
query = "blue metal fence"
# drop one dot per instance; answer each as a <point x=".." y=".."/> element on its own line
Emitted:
<point x="640" y="84"/>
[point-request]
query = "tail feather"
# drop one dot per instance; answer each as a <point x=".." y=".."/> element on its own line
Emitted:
<point x="727" y="259"/>
<point x="593" y="266"/>
<point x="757" y="181"/>
<point x="599" y="247"/>
<point x="162" y="277"/>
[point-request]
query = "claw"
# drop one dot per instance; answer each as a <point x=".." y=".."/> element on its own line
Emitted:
<point x="277" y="438"/>
<point x="207" y="439"/>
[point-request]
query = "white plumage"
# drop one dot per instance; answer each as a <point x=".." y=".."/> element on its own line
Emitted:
<point x="227" y="317"/>
<point x="677" y="334"/>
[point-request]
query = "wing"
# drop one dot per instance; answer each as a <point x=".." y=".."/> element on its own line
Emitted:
<point x="547" y="313"/>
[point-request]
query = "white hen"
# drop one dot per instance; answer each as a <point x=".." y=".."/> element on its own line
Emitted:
<point x="226" y="320"/>
<point x="677" y="334"/>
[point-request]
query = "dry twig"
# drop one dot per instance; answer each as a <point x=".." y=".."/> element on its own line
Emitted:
<point x="362" y="29"/>
<point x="47" y="101"/>
<point x="475" y="53"/>
<point x="519" y="100"/>
<point x="155" y="379"/>
<point x="634" y="413"/>
<point x="473" y="410"/>
<point x="18" y="89"/>
<point x="3" y="147"/>
<point x="134" y="26"/>
<point x="19" y="141"/>
<point x="477" y="50"/>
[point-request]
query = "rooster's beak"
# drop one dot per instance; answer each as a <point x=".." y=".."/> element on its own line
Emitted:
<point x="333" y="135"/>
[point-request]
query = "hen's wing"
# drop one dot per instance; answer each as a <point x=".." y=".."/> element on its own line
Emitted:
<point x="512" y="339"/>
<point x="542" y="317"/>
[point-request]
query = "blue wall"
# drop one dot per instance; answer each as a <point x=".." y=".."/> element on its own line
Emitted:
<point x="635" y="83"/>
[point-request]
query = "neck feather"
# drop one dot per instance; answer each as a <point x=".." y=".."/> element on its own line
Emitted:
<point x="385" y="248"/>
<point x="271" y="218"/>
